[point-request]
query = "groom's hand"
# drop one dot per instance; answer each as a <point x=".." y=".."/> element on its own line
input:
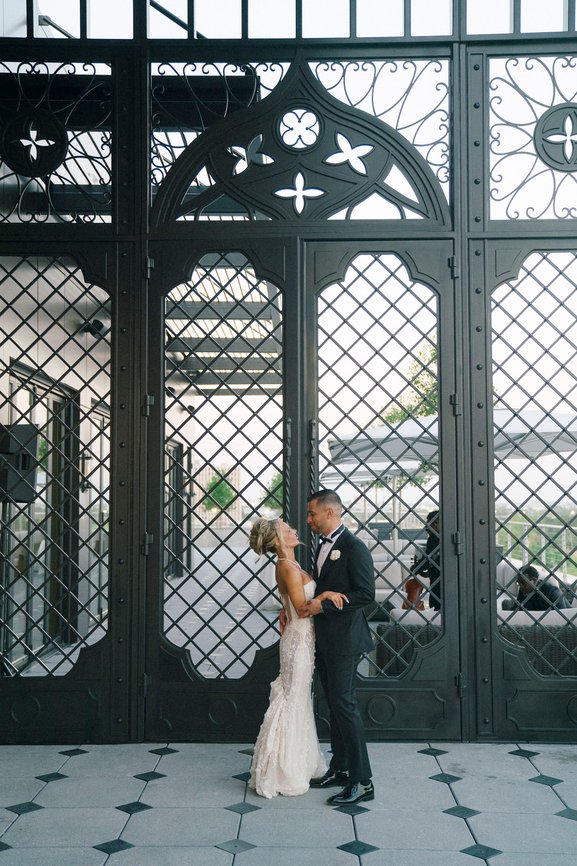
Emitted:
<point x="314" y="606"/>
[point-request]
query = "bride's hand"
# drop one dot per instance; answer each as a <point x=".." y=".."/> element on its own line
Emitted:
<point x="337" y="598"/>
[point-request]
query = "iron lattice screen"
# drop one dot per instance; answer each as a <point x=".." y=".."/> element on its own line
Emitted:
<point x="378" y="396"/>
<point x="224" y="453"/>
<point x="54" y="475"/>
<point x="535" y="405"/>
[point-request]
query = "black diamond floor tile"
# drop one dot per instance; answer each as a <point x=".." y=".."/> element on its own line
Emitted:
<point x="445" y="777"/>
<point x="149" y="777"/>
<point x="244" y="777"/>
<point x="545" y="780"/>
<point x="352" y="809"/>
<point x="166" y="750"/>
<point x="461" y="812"/>
<point x="242" y="808"/>
<point x="71" y="752"/>
<point x="524" y="753"/>
<point x="358" y="848"/>
<point x="113" y="846"/>
<point x="23" y="808"/>
<point x="4" y="846"/>
<point x="51" y="777"/>
<point x="568" y="813"/>
<point x="432" y="751"/>
<point x="235" y="846"/>
<point x="133" y="808"/>
<point x="483" y="852"/>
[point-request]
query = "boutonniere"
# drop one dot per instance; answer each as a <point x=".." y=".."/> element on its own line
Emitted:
<point x="334" y="555"/>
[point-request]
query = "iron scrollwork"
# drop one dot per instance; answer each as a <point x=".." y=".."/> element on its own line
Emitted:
<point x="533" y="138"/>
<point x="55" y="143"/>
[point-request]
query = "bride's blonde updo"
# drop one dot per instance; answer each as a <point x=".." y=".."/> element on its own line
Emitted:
<point x="264" y="535"/>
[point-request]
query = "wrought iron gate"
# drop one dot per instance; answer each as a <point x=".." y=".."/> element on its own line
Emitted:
<point x="226" y="281"/>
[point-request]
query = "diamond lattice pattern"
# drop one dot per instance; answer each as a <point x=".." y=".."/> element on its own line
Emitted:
<point x="223" y="462"/>
<point x="378" y="438"/>
<point x="535" y="407"/>
<point x="54" y="464"/>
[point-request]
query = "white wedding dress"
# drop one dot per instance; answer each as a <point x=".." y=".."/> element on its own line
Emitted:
<point x="287" y="753"/>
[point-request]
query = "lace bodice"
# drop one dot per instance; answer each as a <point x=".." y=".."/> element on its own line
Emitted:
<point x="308" y="587"/>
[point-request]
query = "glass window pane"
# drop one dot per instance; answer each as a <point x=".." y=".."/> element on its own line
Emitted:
<point x="537" y="17"/>
<point x="489" y="16"/>
<point x="380" y="18"/>
<point x="13" y="18"/>
<point x="218" y="18"/>
<point x="326" y="18"/>
<point x="165" y="25"/>
<point x="272" y="20"/>
<point x="63" y="13"/>
<point x="111" y="19"/>
<point x="431" y="19"/>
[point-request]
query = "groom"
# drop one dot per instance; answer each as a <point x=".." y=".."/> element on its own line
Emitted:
<point x="343" y="564"/>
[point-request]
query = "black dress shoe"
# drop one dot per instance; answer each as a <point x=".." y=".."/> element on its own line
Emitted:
<point x="331" y="779"/>
<point x="353" y="793"/>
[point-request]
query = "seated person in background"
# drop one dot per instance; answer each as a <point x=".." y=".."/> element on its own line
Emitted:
<point x="429" y="565"/>
<point x="538" y="594"/>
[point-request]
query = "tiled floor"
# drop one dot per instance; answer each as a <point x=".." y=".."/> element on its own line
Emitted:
<point x="188" y="805"/>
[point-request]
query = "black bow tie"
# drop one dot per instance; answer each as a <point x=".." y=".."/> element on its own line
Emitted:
<point x="332" y="536"/>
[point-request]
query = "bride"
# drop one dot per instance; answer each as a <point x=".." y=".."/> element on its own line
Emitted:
<point x="287" y="753"/>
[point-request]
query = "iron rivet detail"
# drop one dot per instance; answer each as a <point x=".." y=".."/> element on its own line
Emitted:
<point x="481" y="444"/>
<point x="481" y="483"/>
<point x="477" y="219"/>
<point x="483" y="600"/>
<point x="122" y="522"/>
<point x="121" y="561"/>
<point x="482" y="521"/>
<point x="483" y="560"/>
<point x="485" y="679"/>
<point x="119" y="679"/>
<point x="119" y="720"/>
<point x="479" y="328"/>
<point x="123" y="444"/>
<point x="123" y="405"/>
<point x="122" y="483"/>
<point x="484" y="639"/>
<point x="477" y="181"/>
<point x="477" y="66"/>
<point x="486" y="721"/>
<point x="479" y="366"/>
<point x="477" y="252"/>
<point x="123" y="367"/>
<point x="120" y="640"/>
<point x="477" y="143"/>
<point x="123" y="330"/>
<point x="478" y="291"/>
<point x="120" y="599"/>
<point x="476" y="105"/>
<point x="480" y="405"/>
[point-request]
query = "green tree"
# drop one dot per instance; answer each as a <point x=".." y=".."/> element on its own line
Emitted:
<point x="219" y="493"/>
<point x="421" y="396"/>
<point x="275" y="492"/>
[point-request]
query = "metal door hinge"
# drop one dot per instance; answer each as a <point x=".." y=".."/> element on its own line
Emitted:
<point x="454" y="268"/>
<point x="147" y="405"/>
<point x="458" y="543"/>
<point x="456" y="404"/>
<point x="146" y="681"/>
<point x="148" y="267"/>
<point x="147" y="540"/>
<point x="461" y="684"/>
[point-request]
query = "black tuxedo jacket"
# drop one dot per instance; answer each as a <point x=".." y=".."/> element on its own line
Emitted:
<point x="348" y="569"/>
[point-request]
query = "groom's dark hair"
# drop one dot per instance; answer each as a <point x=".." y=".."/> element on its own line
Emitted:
<point x="327" y="497"/>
